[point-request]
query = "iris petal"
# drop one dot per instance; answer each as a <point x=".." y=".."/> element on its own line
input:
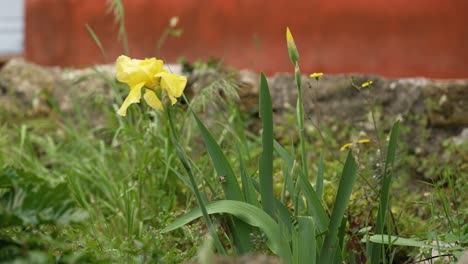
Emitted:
<point x="132" y="97"/>
<point x="133" y="71"/>
<point x="173" y="84"/>
<point x="152" y="100"/>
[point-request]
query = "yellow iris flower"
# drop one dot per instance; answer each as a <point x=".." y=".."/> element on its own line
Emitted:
<point x="148" y="74"/>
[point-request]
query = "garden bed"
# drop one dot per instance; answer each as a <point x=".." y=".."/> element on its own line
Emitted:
<point x="118" y="178"/>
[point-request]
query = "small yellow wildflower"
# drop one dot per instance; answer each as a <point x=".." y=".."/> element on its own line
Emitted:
<point x="348" y="145"/>
<point x="316" y="75"/>
<point x="292" y="49"/>
<point x="148" y="74"/>
<point x="365" y="140"/>
<point x="366" y="84"/>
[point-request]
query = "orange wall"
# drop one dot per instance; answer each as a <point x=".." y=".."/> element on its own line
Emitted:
<point x="395" y="38"/>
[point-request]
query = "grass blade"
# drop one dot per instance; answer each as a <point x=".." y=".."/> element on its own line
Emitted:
<point x="313" y="201"/>
<point x="223" y="168"/>
<point x="304" y="243"/>
<point x="385" y="191"/>
<point x="283" y="154"/>
<point x="250" y="195"/>
<point x="284" y="220"/>
<point x="117" y="7"/>
<point x="248" y="213"/>
<point x="230" y="186"/>
<point x="266" y="160"/>
<point x="288" y="171"/>
<point x="201" y="202"/>
<point x="96" y="40"/>
<point x="319" y="181"/>
<point x="338" y="258"/>
<point x="408" y="242"/>
<point x="345" y="188"/>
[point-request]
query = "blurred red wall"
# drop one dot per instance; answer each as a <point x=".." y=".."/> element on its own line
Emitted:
<point x="397" y="38"/>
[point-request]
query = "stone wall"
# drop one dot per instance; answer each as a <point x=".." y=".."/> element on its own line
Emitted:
<point x="436" y="109"/>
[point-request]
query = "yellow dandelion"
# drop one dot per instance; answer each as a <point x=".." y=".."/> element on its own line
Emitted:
<point x="367" y="84"/>
<point x="346" y="146"/>
<point x="316" y="75"/>
<point x="349" y="145"/>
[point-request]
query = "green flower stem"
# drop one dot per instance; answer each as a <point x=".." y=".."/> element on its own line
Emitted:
<point x="300" y="118"/>
<point x="185" y="162"/>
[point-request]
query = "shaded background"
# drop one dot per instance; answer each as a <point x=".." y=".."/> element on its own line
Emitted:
<point x="398" y="38"/>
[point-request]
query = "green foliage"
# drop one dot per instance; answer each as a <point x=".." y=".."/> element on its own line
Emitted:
<point x="252" y="214"/>
<point x="230" y="186"/>
<point x="248" y="213"/>
<point x="266" y="160"/>
<point x="348" y="177"/>
<point x="57" y="171"/>
<point x="304" y="244"/>
<point x="385" y="191"/>
<point x="29" y="200"/>
<point x="399" y="241"/>
<point x="201" y="199"/>
<point x="29" y="207"/>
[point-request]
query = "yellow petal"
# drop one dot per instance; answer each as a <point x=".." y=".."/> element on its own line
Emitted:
<point x="152" y="100"/>
<point x="366" y="84"/>
<point x="133" y="71"/>
<point x="173" y="84"/>
<point x="364" y="140"/>
<point x="346" y="146"/>
<point x="289" y="37"/>
<point x="316" y="75"/>
<point x="132" y="97"/>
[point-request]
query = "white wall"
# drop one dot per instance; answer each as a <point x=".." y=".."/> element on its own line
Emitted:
<point x="11" y="27"/>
